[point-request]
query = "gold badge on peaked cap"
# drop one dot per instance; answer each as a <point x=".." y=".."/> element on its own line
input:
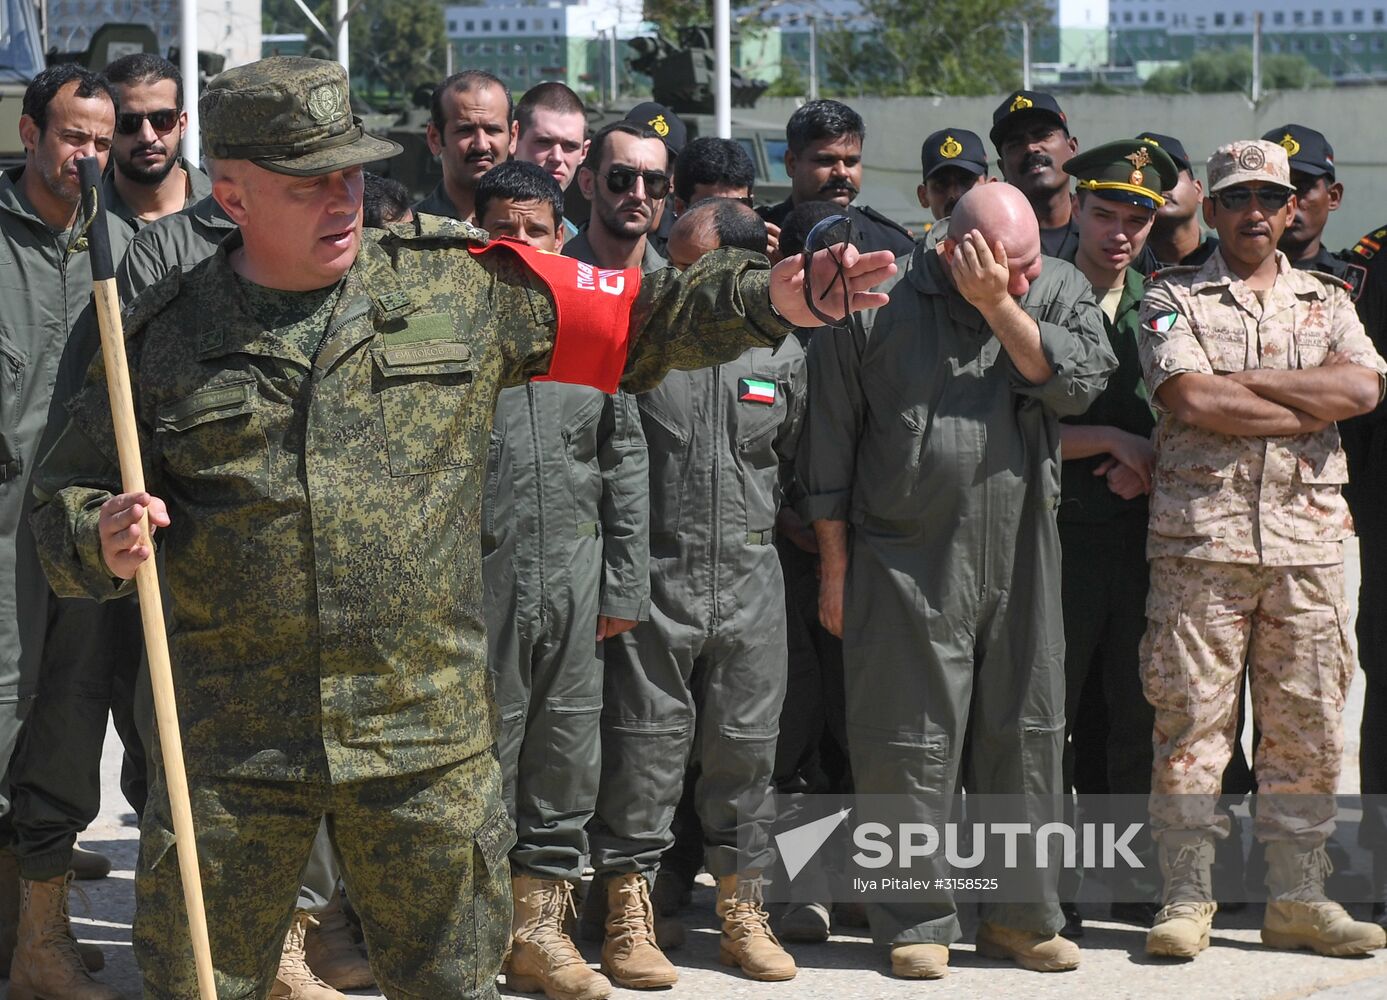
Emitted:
<point x="1252" y="158"/>
<point x="326" y="103"/>
<point x="1289" y="144"/>
<point x="660" y="126"/>
<point x="1138" y="159"/>
<point x="951" y="148"/>
<point x="1021" y="103"/>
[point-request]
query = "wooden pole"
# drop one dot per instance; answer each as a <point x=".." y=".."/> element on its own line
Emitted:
<point x="147" y="576"/>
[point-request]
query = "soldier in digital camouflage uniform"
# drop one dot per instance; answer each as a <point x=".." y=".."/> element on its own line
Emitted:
<point x="315" y="457"/>
<point x="321" y="956"/>
<point x="1250" y="363"/>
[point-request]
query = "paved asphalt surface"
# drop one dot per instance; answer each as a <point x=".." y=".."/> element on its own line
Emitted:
<point x="849" y="966"/>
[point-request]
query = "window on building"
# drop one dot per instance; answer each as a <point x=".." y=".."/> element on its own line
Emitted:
<point x="1238" y="19"/>
<point x="1298" y="16"/>
<point x="1279" y="17"/>
<point x="452" y="27"/>
<point x="505" y="24"/>
<point x="1126" y="17"/>
<point x="539" y="48"/>
<point x="554" y="24"/>
<point x="469" y="26"/>
<point x="469" y="49"/>
<point x="1297" y="45"/>
<point x="1160" y="16"/>
<point x="485" y="49"/>
<point x="1273" y="45"/>
<point x="1356" y="45"/>
<point x="1357" y="17"/>
<point x="1199" y="23"/>
<point x="1218" y="20"/>
<point x="522" y="71"/>
<point x="1317" y="45"/>
<point x="1379" y="16"/>
<point x="486" y="25"/>
<point x="1377" y="43"/>
<point x="1317" y="17"/>
<point x="1337" y="17"/>
<point x="1144" y="17"/>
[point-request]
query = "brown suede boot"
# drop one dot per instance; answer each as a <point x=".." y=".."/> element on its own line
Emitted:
<point x="542" y="956"/>
<point x="47" y="964"/>
<point x="332" y="953"/>
<point x="920" y="960"/>
<point x="92" y="956"/>
<point x="1037" y="952"/>
<point x="747" y="941"/>
<point x="295" y="980"/>
<point x="1181" y="928"/>
<point x="1299" y="913"/>
<point x="630" y="956"/>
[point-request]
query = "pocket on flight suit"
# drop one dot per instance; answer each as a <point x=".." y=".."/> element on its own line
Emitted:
<point x="11" y="385"/>
<point x="425" y="392"/>
<point x="214" y="438"/>
<point x="491" y="897"/>
<point x="572" y="750"/>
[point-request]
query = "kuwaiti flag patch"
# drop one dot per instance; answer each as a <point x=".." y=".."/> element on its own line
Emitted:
<point x="756" y="390"/>
<point x="1164" y="323"/>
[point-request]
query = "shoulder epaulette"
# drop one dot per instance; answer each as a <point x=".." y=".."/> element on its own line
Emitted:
<point x="1368" y="246"/>
<point x="1332" y="280"/>
<point x="1173" y="271"/>
<point x="150" y="302"/>
<point x="436" y="226"/>
<point x="876" y="216"/>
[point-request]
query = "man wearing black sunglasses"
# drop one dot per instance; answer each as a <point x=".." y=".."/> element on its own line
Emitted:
<point x="625" y="176"/>
<point x="1250" y="363"/>
<point x="149" y="179"/>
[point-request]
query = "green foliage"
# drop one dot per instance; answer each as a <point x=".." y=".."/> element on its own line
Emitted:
<point x="1218" y="70"/>
<point x="791" y="83"/>
<point x="671" y="15"/>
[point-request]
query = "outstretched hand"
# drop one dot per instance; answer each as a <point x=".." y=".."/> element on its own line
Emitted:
<point x="862" y="271"/>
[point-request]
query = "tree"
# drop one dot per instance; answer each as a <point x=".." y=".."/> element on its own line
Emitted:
<point x="1219" y="70"/>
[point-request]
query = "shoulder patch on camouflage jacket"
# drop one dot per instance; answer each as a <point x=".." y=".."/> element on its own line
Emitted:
<point x="1174" y="271"/>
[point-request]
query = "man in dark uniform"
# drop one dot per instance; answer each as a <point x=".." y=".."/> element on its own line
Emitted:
<point x="952" y="162"/>
<point x="1176" y="236"/>
<point x="1031" y="135"/>
<point x="1317" y="193"/>
<point x="824" y="161"/>
<point x="1106" y="475"/>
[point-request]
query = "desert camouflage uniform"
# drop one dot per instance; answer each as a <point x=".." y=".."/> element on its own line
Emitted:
<point x="1246" y="548"/>
<point x="324" y="570"/>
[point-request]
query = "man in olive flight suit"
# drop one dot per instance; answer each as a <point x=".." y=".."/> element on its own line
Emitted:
<point x="315" y="456"/>
<point x="936" y="437"/>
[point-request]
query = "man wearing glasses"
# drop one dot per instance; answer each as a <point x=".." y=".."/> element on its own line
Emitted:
<point x="1249" y="364"/>
<point x="625" y="176"/>
<point x="150" y="179"/>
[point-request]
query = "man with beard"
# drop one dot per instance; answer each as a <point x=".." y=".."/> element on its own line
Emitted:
<point x="1176" y="236"/>
<point x="1031" y="135"/>
<point x="471" y="129"/>
<point x="823" y="157"/>
<point x="552" y="131"/>
<point x="150" y="179"/>
<point x="1317" y="193"/>
<point x="58" y="656"/>
<point x="625" y="175"/>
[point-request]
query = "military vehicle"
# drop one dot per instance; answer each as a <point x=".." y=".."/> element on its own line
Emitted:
<point x="21" y="56"/>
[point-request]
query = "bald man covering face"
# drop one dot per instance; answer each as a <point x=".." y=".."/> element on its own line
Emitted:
<point x="934" y="433"/>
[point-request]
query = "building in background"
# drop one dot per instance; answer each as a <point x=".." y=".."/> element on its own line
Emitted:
<point x="1346" y="40"/>
<point x="229" y="28"/>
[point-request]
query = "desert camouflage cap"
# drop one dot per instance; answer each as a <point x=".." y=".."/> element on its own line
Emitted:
<point x="289" y="114"/>
<point x="1248" y="160"/>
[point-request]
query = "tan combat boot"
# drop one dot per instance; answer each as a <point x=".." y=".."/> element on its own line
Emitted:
<point x="542" y="957"/>
<point x="89" y="865"/>
<point x="47" y="963"/>
<point x="1300" y="915"/>
<point x="1181" y="928"/>
<point x="630" y="956"/>
<point x="920" y="961"/>
<point x="747" y="940"/>
<point x="1037" y="952"/>
<point x="670" y="933"/>
<point x="92" y="956"/>
<point x="295" y="980"/>
<point x="332" y="953"/>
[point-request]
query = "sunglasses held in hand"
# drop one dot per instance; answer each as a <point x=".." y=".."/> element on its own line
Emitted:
<point x="834" y="231"/>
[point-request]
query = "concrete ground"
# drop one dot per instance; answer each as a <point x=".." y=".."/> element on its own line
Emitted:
<point x="1115" y="966"/>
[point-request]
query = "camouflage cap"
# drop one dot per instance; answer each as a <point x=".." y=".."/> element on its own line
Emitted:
<point x="1248" y="160"/>
<point x="288" y="114"/>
